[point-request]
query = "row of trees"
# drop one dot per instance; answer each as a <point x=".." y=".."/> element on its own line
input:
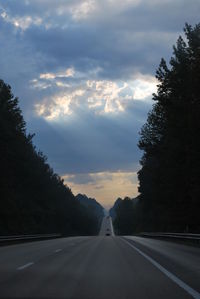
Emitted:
<point x="33" y="199"/>
<point x="124" y="215"/>
<point x="169" y="179"/>
<point x="93" y="206"/>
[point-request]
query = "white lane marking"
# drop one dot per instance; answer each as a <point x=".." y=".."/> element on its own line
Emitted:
<point x="58" y="250"/>
<point x="174" y="278"/>
<point x="111" y="226"/>
<point x="25" y="266"/>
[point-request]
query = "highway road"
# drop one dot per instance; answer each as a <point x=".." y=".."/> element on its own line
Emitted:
<point x="101" y="267"/>
<point x="106" y="227"/>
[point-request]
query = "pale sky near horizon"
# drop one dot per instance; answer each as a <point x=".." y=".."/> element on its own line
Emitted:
<point x="84" y="74"/>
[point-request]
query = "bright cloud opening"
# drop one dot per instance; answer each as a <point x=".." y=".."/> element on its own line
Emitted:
<point x="98" y="96"/>
<point x="22" y="22"/>
<point x="70" y="72"/>
<point x="83" y="9"/>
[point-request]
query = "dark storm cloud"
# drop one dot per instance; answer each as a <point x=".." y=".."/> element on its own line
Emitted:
<point x="101" y="40"/>
<point x="123" y="42"/>
<point x="86" y="49"/>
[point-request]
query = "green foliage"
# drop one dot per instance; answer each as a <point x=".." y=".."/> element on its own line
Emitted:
<point x="170" y="173"/>
<point x="33" y="198"/>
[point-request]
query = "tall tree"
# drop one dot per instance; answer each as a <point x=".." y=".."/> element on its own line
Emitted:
<point x="33" y="199"/>
<point x="170" y="173"/>
<point x="125" y="216"/>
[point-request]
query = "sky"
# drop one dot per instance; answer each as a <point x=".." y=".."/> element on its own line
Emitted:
<point x="84" y="72"/>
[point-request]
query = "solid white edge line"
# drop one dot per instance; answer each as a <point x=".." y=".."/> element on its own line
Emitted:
<point x="174" y="278"/>
<point x="111" y="226"/>
<point x="25" y="266"/>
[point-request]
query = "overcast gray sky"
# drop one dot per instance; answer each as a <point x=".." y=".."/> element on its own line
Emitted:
<point x="84" y="74"/>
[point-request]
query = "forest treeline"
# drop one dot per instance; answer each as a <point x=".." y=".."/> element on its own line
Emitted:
<point x="126" y="216"/>
<point x="91" y="204"/>
<point x="169" y="179"/>
<point x="33" y="199"/>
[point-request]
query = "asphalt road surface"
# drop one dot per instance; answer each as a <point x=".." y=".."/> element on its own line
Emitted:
<point x="102" y="267"/>
<point x="106" y="227"/>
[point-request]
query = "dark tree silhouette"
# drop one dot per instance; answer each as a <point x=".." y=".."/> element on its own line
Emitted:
<point x="169" y="179"/>
<point x="33" y="199"/>
<point x="124" y="214"/>
<point x="93" y="207"/>
<point x="170" y="174"/>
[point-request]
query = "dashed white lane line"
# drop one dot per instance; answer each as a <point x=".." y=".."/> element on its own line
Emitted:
<point x="171" y="276"/>
<point x="25" y="266"/>
<point x="58" y="250"/>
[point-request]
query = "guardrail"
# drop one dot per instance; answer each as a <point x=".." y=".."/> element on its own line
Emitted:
<point x="177" y="236"/>
<point x="5" y="239"/>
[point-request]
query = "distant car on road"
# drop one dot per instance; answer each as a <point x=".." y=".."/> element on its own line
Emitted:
<point x="107" y="234"/>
